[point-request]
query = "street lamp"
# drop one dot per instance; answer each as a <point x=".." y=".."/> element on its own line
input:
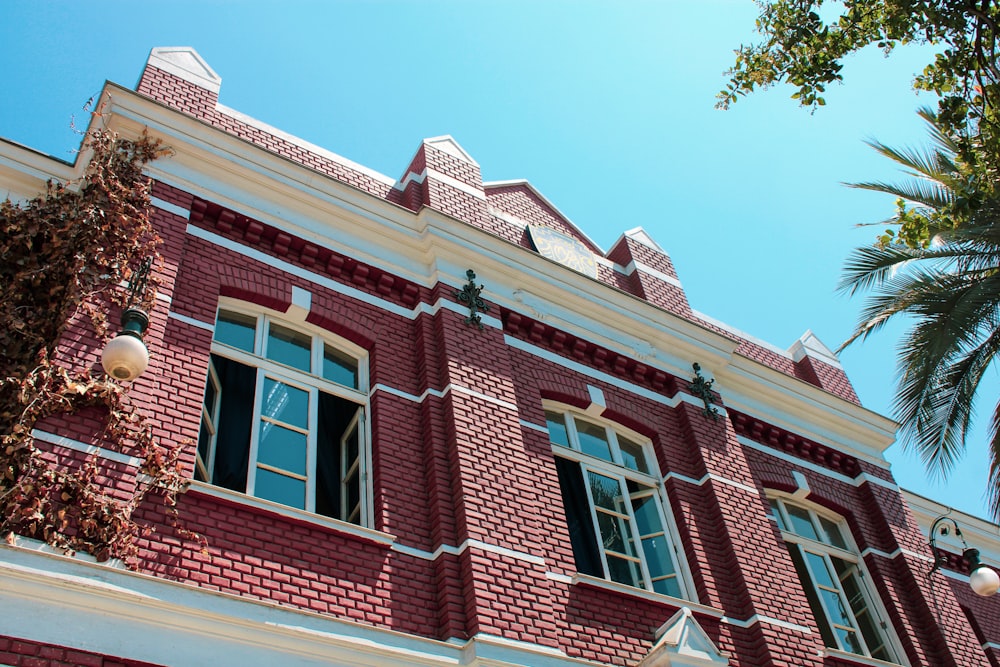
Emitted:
<point x="982" y="578"/>
<point x="125" y="357"/>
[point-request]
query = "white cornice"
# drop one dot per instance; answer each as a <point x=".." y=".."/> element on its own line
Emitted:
<point x="23" y="171"/>
<point x="978" y="532"/>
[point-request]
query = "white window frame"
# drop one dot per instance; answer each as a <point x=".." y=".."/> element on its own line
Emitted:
<point x="616" y="469"/>
<point x="313" y="384"/>
<point x="827" y="551"/>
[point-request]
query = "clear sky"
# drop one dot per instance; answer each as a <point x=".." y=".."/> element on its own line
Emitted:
<point x="605" y="107"/>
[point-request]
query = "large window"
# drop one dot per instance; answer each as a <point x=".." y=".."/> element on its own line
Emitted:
<point x="834" y="581"/>
<point x="615" y="510"/>
<point x="283" y="417"/>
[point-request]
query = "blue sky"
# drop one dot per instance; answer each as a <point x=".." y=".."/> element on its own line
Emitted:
<point x="606" y="107"/>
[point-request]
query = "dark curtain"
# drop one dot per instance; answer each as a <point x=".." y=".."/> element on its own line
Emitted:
<point x="236" y="403"/>
<point x="581" y="527"/>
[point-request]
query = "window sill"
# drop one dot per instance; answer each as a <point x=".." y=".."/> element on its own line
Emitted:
<point x="858" y="659"/>
<point x="297" y="515"/>
<point x="31" y="544"/>
<point x="633" y="592"/>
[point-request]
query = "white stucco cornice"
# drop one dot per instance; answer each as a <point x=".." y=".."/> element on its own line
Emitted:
<point x="979" y="533"/>
<point x="803" y="408"/>
<point x="24" y="171"/>
<point x="428" y="247"/>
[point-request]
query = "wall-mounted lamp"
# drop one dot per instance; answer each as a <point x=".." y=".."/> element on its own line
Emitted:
<point x="982" y="578"/>
<point x="125" y="357"/>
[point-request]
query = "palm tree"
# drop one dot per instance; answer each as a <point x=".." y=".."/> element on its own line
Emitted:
<point x="942" y="270"/>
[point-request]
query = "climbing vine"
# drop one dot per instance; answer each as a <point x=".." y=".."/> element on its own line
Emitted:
<point x="64" y="256"/>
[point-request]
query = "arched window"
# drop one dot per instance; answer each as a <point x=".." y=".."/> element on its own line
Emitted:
<point x="834" y="580"/>
<point x="615" y="509"/>
<point x="283" y="416"/>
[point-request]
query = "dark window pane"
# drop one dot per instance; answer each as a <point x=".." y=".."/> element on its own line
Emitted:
<point x="232" y="442"/>
<point x="285" y="403"/>
<point x="624" y="571"/>
<point x="614" y="532"/>
<point x="578" y="521"/>
<point x="593" y="440"/>
<point x="282" y="448"/>
<point x="557" y="429"/>
<point x="280" y="488"/>
<point x="289" y="347"/>
<point x="236" y="330"/>
<point x="605" y="491"/>
<point x="335" y="415"/>
<point x="339" y="367"/>
<point x="210" y="395"/>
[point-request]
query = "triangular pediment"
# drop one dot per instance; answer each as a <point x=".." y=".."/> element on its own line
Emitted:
<point x="681" y="642"/>
<point x="186" y="63"/>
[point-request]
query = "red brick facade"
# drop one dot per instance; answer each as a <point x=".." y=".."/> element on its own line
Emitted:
<point x="466" y="556"/>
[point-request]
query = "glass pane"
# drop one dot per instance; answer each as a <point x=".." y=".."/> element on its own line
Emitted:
<point x="849" y="641"/>
<point x="614" y="533"/>
<point x="210" y="396"/>
<point x="624" y="571"/>
<point x="353" y="491"/>
<point x="801" y="522"/>
<point x="351" y="448"/>
<point x="289" y="347"/>
<point x="633" y="455"/>
<point x="282" y="448"/>
<point x="593" y="440"/>
<point x="236" y="330"/>
<point x="280" y="488"/>
<point x="204" y="439"/>
<point x="820" y="570"/>
<point x="835" y="606"/>
<point x="339" y="367"/>
<point x="810" y="591"/>
<point x="833" y="534"/>
<point x="285" y="403"/>
<point x="557" y="429"/>
<point x="605" y="491"/>
<point x="658" y="560"/>
<point x="668" y="587"/>
<point x="647" y="518"/>
<point x="776" y="513"/>
<point x="863" y="616"/>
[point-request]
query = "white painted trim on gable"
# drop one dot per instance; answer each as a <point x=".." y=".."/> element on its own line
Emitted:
<point x="758" y="618"/>
<point x="645" y="268"/>
<point x="207" y="326"/>
<point x="413" y="177"/>
<point x="895" y="554"/>
<point x="995" y="646"/>
<point x="170" y="208"/>
<point x="84" y="448"/>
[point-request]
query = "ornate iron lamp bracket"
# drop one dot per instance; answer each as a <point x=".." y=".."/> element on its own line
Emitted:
<point x="702" y="388"/>
<point x="469" y="295"/>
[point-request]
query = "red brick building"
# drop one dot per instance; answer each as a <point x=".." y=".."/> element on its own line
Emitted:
<point x="432" y="423"/>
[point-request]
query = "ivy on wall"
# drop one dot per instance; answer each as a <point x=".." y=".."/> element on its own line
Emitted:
<point x="63" y="257"/>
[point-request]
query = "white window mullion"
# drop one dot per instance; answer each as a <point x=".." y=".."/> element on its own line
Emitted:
<point x="255" y="432"/>
<point x="311" y="449"/>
